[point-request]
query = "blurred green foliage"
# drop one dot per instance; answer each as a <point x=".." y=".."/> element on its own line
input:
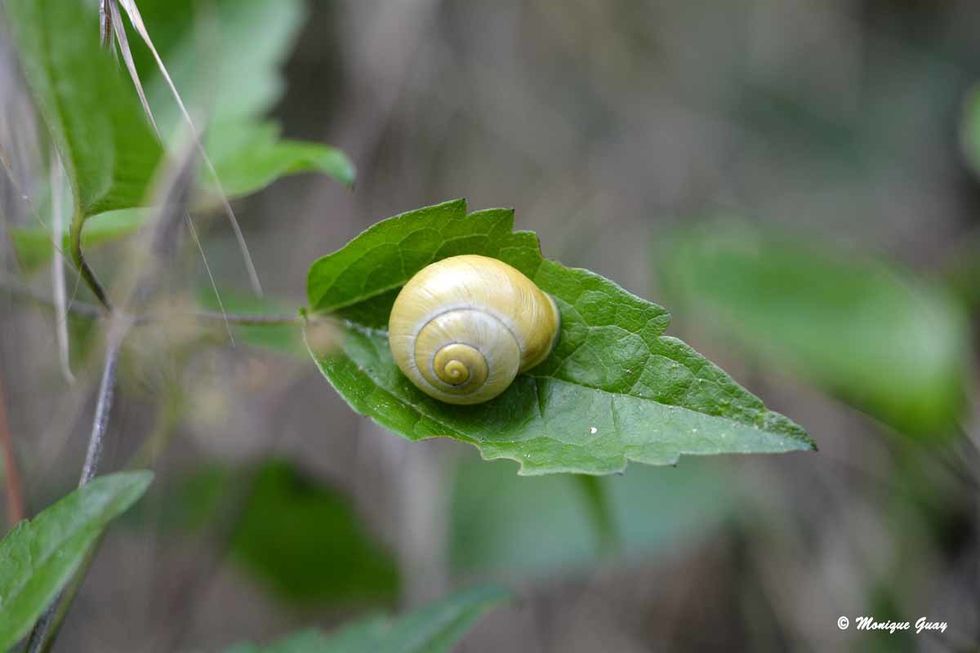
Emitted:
<point x="301" y="539"/>
<point x="888" y="342"/>
<point x="435" y="628"/>
<point x="519" y="526"/>
<point x="225" y="62"/>
<point x="284" y="339"/>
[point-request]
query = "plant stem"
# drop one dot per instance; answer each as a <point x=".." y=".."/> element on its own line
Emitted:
<point x="12" y="484"/>
<point x="597" y="503"/>
<point x="88" y="276"/>
<point x="102" y="409"/>
<point x="100" y="423"/>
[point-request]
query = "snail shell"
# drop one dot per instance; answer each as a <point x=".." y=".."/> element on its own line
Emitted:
<point x="462" y="328"/>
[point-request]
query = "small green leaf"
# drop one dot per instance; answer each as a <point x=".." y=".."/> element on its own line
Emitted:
<point x="39" y="556"/>
<point x="90" y="109"/>
<point x="435" y="628"/>
<point x="249" y="156"/>
<point x="615" y="388"/>
<point x="891" y="344"/>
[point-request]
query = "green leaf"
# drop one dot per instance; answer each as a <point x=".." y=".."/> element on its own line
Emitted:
<point x="39" y="556"/>
<point x="241" y="81"/>
<point x="249" y="156"/>
<point x="306" y="544"/>
<point x="296" y="536"/>
<point x="33" y="244"/>
<point x="91" y="111"/>
<point x="887" y="342"/>
<point x="615" y="388"/>
<point x="433" y="629"/>
<point x="224" y="56"/>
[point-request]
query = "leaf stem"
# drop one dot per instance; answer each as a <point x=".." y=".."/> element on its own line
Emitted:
<point x="88" y="276"/>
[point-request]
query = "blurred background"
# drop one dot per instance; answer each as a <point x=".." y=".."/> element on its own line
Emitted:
<point x="793" y="180"/>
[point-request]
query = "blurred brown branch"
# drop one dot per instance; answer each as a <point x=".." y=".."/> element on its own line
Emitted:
<point x="12" y="484"/>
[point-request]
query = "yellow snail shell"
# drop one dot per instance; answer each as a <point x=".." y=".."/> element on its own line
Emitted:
<point x="462" y="328"/>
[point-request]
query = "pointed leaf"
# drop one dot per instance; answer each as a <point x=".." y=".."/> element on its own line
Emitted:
<point x="615" y="388"/>
<point x="39" y="556"/>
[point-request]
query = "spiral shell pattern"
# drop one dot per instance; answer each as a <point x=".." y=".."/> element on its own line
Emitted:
<point x="462" y="328"/>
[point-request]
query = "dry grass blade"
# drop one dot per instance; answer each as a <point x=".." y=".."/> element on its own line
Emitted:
<point x="120" y="30"/>
<point x="107" y="10"/>
<point x="127" y="56"/>
<point x="136" y="19"/>
<point x="58" y="265"/>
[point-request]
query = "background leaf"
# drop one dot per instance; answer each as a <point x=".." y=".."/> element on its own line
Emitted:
<point x="39" y="556"/>
<point x="432" y="629"/>
<point x="249" y="156"/>
<point x="244" y="44"/>
<point x="91" y="111"/>
<point x="224" y="56"/>
<point x="889" y="343"/>
<point x="299" y="538"/>
<point x="615" y="388"/>
<point x="304" y="541"/>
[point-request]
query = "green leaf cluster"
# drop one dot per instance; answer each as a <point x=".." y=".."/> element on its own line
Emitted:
<point x="109" y="150"/>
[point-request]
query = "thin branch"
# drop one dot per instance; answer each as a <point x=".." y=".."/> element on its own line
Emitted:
<point x="246" y="320"/>
<point x="26" y="293"/>
<point x="12" y="484"/>
<point x="100" y="423"/>
<point x="103" y="405"/>
<point x="92" y="311"/>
